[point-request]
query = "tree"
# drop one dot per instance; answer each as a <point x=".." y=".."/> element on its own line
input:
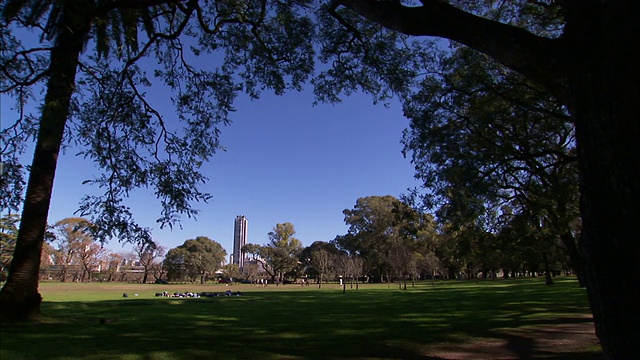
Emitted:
<point x="381" y="228"/>
<point x="90" y="255"/>
<point x="590" y="66"/>
<point x="47" y="263"/>
<point x="176" y="263"/>
<point x="147" y="254"/>
<point x="74" y="250"/>
<point x="501" y="139"/>
<point x="8" y="232"/>
<point x="319" y="258"/>
<point x="349" y="266"/>
<point x="402" y="261"/>
<point x="251" y="271"/>
<point x="231" y="271"/>
<point x="195" y="258"/>
<point x="19" y="296"/>
<point x="114" y="261"/>
<point x="283" y="249"/>
<point x="96" y="101"/>
<point x="371" y="224"/>
<point x="280" y="255"/>
<point x="322" y="262"/>
<point x="430" y="263"/>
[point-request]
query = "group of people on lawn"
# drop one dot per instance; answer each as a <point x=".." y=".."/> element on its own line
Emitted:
<point x="188" y="294"/>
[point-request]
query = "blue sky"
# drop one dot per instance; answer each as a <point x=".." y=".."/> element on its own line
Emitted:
<point x="286" y="161"/>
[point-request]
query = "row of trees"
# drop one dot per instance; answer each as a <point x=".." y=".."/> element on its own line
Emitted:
<point x="72" y="254"/>
<point x="389" y="240"/>
<point x="577" y="53"/>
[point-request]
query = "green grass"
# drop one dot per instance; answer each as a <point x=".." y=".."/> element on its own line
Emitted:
<point x="285" y="322"/>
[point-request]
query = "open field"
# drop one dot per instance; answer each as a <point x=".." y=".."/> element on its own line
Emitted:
<point x="492" y="319"/>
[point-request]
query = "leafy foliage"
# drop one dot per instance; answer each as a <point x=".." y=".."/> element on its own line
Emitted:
<point x="250" y="47"/>
<point x="75" y="248"/>
<point x="8" y="234"/>
<point x="385" y="233"/>
<point x="280" y="255"/>
<point x="200" y="257"/>
<point x="482" y="138"/>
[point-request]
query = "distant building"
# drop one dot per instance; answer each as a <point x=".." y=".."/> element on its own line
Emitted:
<point x="240" y="228"/>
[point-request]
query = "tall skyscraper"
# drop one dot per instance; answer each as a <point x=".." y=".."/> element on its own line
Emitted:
<point x="240" y="228"/>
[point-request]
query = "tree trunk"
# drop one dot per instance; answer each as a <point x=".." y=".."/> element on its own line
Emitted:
<point x="569" y="242"/>
<point x="63" y="274"/>
<point x="607" y="114"/>
<point x="547" y="270"/>
<point x="19" y="298"/>
<point x="610" y="202"/>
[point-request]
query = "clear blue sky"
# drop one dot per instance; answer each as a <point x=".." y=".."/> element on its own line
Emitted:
<point x="286" y="161"/>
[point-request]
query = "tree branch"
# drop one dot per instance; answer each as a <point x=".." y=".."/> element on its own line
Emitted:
<point x="533" y="56"/>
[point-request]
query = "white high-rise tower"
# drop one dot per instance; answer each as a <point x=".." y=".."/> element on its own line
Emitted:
<point x="240" y="228"/>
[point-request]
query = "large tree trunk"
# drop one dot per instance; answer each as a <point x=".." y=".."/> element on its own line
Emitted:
<point x="610" y="202"/>
<point x="19" y="298"/>
<point x="606" y="109"/>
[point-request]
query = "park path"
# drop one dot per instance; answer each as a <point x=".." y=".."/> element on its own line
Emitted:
<point x="572" y="340"/>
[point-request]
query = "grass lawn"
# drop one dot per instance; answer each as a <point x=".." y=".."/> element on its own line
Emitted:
<point x="289" y="322"/>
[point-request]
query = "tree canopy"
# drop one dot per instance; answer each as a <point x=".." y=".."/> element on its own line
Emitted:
<point x="197" y="258"/>
<point x="489" y="146"/>
<point x="280" y="254"/>
<point x="385" y="233"/>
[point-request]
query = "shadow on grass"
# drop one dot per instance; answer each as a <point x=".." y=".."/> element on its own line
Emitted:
<point x="362" y="324"/>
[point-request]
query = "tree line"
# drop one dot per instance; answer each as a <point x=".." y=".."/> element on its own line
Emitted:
<point x="388" y="240"/>
<point x="71" y="254"/>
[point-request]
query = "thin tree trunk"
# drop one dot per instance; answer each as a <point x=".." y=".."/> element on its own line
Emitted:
<point x="547" y="269"/>
<point x="63" y="275"/>
<point x="574" y="256"/>
<point x="607" y="114"/>
<point x="19" y="298"/>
